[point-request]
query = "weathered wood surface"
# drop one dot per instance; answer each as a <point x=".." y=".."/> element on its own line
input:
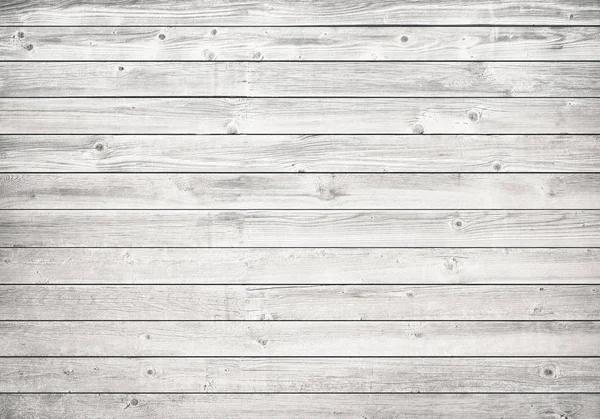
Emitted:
<point x="299" y="115"/>
<point x="299" y="266"/>
<point x="300" y="228"/>
<point x="300" y="153"/>
<point x="300" y="302"/>
<point x="300" y="43"/>
<point x="292" y="375"/>
<point x="277" y="79"/>
<point x="281" y="12"/>
<point x="299" y="406"/>
<point x="293" y="338"/>
<point x="295" y="191"/>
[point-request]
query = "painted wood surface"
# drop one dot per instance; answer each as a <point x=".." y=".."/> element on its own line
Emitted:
<point x="406" y="225"/>
<point x="299" y="266"/>
<point x="299" y="115"/>
<point x="296" y="338"/>
<point x="297" y="43"/>
<point x="300" y="228"/>
<point x="300" y="153"/>
<point x="305" y="375"/>
<point x="299" y="406"/>
<point x="278" y="79"/>
<point x="304" y="12"/>
<point x="300" y="302"/>
<point x="295" y="191"/>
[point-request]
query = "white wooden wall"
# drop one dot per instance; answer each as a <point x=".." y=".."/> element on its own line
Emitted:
<point x="300" y="209"/>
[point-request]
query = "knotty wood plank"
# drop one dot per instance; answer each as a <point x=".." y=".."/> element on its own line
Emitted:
<point x="299" y="266"/>
<point x="299" y="406"/>
<point x="299" y="228"/>
<point x="275" y="339"/>
<point x="297" y="153"/>
<point x="295" y="191"/>
<point x="303" y="115"/>
<point x="277" y="79"/>
<point x="312" y="302"/>
<point x="281" y="12"/>
<point x="299" y="43"/>
<point x="292" y="375"/>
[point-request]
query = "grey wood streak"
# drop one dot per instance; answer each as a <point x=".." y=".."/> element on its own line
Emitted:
<point x="346" y="79"/>
<point x="300" y="153"/>
<point x="295" y="191"/>
<point x="299" y="115"/>
<point x="299" y="266"/>
<point x="299" y="406"/>
<point x="300" y="302"/>
<point x="307" y="375"/>
<point x="304" y="12"/>
<point x="294" y="338"/>
<point x="300" y="228"/>
<point x="300" y="43"/>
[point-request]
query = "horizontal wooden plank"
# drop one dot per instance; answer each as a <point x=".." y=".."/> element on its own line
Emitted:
<point x="277" y="12"/>
<point x="292" y="375"/>
<point x="297" y="153"/>
<point x="299" y="228"/>
<point x="277" y="79"/>
<point x="300" y="191"/>
<point x="299" y="406"/>
<point x="320" y="338"/>
<point x="299" y="266"/>
<point x="299" y="115"/>
<point x="299" y="44"/>
<point x="300" y="302"/>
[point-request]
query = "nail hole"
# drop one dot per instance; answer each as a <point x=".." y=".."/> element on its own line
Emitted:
<point x="162" y="36"/>
<point x="404" y="39"/>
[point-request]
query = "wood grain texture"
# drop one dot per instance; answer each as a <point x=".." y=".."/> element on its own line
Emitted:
<point x="300" y="153"/>
<point x="277" y="79"/>
<point x="305" y="115"/>
<point x="293" y="338"/>
<point x="299" y="228"/>
<point x="299" y="43"/>
<point x="292" y="375"/>
<point x="300" y="406"/>
<point x="281" y="12"/>
<point x="308" y="302"/>
<point x="299" y="266"/>
<point x="295" y="191"/>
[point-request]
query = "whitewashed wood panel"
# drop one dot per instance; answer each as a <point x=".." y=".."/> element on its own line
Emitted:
<point x="299" y="43"/>
<point x="355" y="406"/>
<point x="304" y="115"/>
<point x="307" y="375"/>
<point x="293" y="338"/>
<point x="277" y="79"/>
<point x="304" y="12"/>
<point x="299" y="266"/>
<point x="294" y="191"/>
<point x="300" y="228"/>
<point x="300" y="153"/>
<point x="299" y="406"/>
<point x="300" y="302"/>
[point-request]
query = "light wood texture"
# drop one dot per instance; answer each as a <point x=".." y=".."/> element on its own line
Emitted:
<point x="299" y="266"/>
<point x="295" y="191"/>
<point x="300" y="302"/>
<point x="300" y="406"/>
<point x="300" y="153"/>
<point x="305" y="115"/>
<point x="299" y="44"/>
<point x="292" y="375"/>
<point x="304" y="12"/>
<point x="277" y="79"/>
<point x="300" y="228"/>
<point x="293" y="338"/>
